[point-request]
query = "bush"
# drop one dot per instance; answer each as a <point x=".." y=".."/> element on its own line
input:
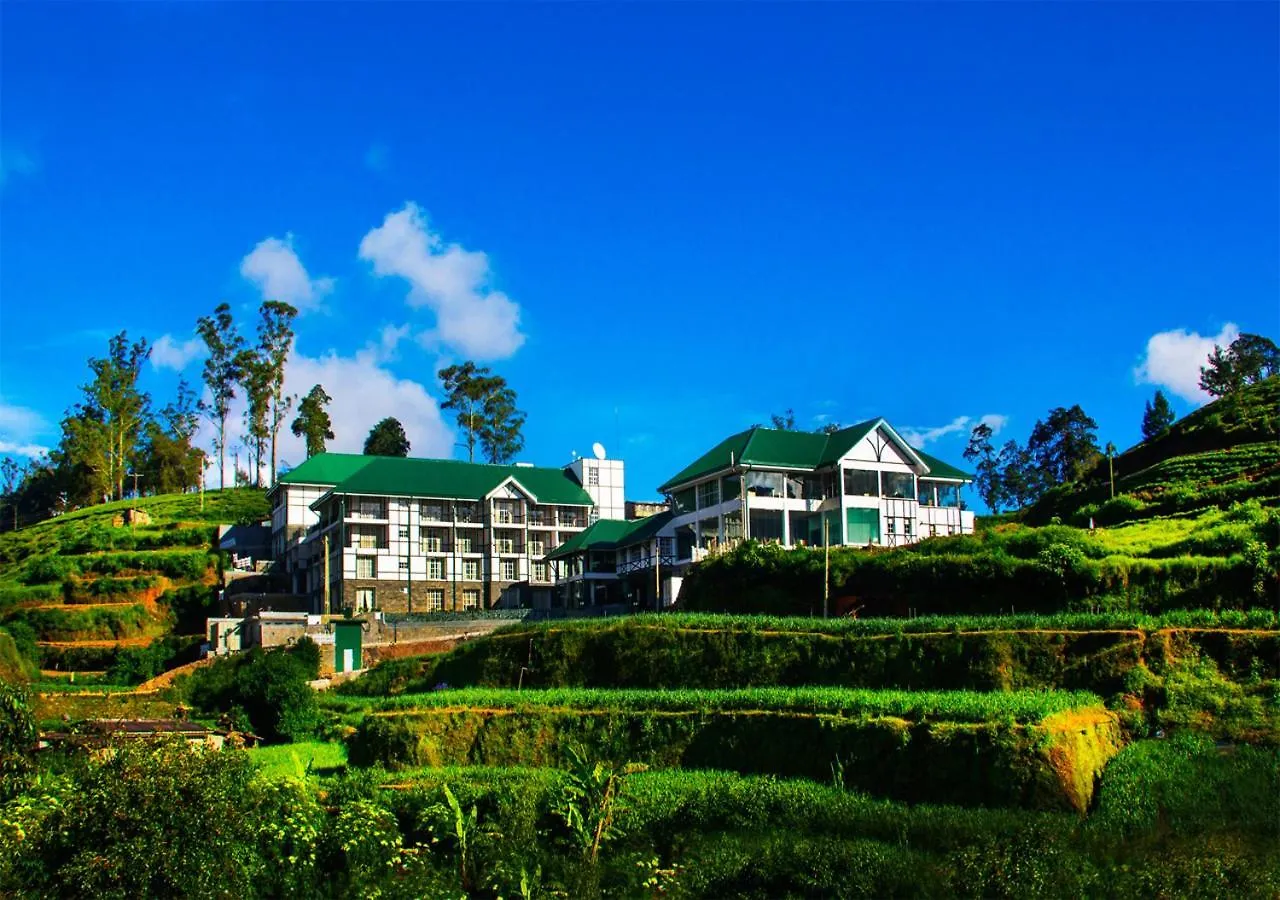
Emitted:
<point x="270" y="686"/>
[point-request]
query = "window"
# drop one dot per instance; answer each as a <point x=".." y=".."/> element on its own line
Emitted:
<point x="708" y="493"/>
<point x="370" y="509"/>
<point x="364" y="599"/>
<point x="861" y="483"/>
<point x="898" y="484"/>
<point x="683" y="501"/>
<point x="470" y="570"/>
<point x="432" y="540"/>
<point x="504" y="542"/>
<point x="949" y="495"/>
<point x="468" y="512"/>
<point x="666" y="546"/>
<point x="364" y="567"/>
<point x="435" y="569"/>
<point x="434" y="511"/>
<point x="404" y="563"/>
<point x="933" y="531"/>
<point x="539" y="571"/>
<point x="464" y="543"/>
<point x="539" y="516"/>
<point x="404" y="532"/>
<point x="764" y="484"/>
<point x="537" y="547"/>
<point x="593" y="476"/>
<point x="435" y="600"/>
<point x="506" y="512"/>
<point x="508" y="570"/>
<point x="470" y="599"/>
<point x="572" y="518"/>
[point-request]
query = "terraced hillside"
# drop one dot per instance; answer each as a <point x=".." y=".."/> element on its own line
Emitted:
<point x="82" y="592"/>
<point x="1224" y="452"/>
<point x="750" y="756"/>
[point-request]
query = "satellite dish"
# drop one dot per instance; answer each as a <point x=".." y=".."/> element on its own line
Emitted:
<point x="598" y="449"/>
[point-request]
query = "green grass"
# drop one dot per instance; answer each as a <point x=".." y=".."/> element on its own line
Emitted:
<point x="957" y="706"/>
<point x="300" y="759"/>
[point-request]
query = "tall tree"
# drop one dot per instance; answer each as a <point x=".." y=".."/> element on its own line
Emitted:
<point x="829" y="428"/>
<point x="387" y="438"/>
<point x="500" y="434"/>
<point x="221" y="375"/>
<point x="1158" y="416"/>
<point x="784" y="422"/>
<point x="987" y="474"/>
<point x="11" y="475"/>
<point x="1019" y="482"/>
<point x="1111" y="465"/>
<point x="1249" y="359"/>
<point x="113" y="411"/>
<point x="1063" y="446"/>
<point x="275" y="340"/>
<point x="255" y="378"/>
<point x="313" y="421"/>
<point x="486" y="410"/>
<point x="169" y="461"/>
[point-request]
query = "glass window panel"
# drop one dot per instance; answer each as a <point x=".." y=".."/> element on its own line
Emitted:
<point x="898" y="484"/>
<point x="861" y="483"/>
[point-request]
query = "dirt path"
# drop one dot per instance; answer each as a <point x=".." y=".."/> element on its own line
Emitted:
<point x="118" y="642"/>
<point x="164" y="679"/>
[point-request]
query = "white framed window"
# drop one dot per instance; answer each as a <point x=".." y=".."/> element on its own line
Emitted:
<point x="435" y="599"/>
<point x="365" y="567"/>
<point x="434" y="511"/>
<point x="364" y="599"/>
<point x="537" y="548"/>
<point x="435" y="569"/>
<point x="470" y="570"/>
<point x="464" y="543"/>
<point x="503" y="542"/>
<point x="593" y="476"/>
<point x="508" y="570"/>
<point x="539" y="571"/>
<point x="470" y="599"/>
<point x="404" y="532"/>
<point x="432" y="540"/>
<point x="404" y="563"/>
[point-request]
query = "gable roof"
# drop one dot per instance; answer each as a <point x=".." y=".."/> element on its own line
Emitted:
<point x="796" y="450"/>
<point x="326" y="468"/>
<point x="393" y="476"/>
<point x="610" y="534"/>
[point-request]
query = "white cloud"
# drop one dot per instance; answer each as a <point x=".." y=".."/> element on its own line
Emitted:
<point x="1173" y="360"/>
<point x="275" y="269"/>
<point x="18" y="426"/>
<point x="168" y="353"/>
<point x="385" y="347"/>
<point x="363" y="392"/>
<point x="451" y="281"/>
<point x="920" y="436"/>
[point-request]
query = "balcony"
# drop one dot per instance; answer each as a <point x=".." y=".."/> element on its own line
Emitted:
<point x="507" y="517"/>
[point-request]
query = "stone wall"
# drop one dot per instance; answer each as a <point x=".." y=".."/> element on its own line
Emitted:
<point x="391" y="596"/>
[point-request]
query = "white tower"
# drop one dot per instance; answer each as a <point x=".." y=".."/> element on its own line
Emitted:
<point x="603" y="479"/>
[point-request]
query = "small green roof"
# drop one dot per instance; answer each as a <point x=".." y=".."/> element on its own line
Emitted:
<point x="326" y="468"/>
<point x="610" y="534"/>
<point x="794" y="450"/>
<point x="940" y="469"/>
<point x="450" y="479"/>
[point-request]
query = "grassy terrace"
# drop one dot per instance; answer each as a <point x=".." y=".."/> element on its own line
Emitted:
<point x="1035" y="749"/>
<point x="953" y="706"/>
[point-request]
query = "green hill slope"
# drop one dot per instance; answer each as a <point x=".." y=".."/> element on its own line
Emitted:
<point x="81" y="586"/>
<point x="1224" y="452"/>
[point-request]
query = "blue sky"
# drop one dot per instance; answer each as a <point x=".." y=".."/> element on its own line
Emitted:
<point x="660" y="222"/>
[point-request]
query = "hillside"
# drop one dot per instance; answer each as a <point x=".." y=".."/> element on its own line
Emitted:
<point x="77" y="589"/>
<point x="1224" y="452"/>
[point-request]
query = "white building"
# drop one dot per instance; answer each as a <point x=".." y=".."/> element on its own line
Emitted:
<point x="862" y="486"/>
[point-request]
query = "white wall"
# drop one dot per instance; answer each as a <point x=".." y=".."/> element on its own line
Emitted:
<point x="604" y="480"/>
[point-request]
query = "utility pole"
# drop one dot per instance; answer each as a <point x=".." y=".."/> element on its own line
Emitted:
<point x="826" y="562"/>
<point x="135" y="476"/>
<point x="1111" y="452"/>
<point x="657" y="572"/>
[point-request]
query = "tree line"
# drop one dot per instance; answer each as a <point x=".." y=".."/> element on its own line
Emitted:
<point x="1064" y="447"/>
<point x="115" y="440"/>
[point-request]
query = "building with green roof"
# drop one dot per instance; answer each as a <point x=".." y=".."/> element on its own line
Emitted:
<point x="421" y="535"/>
<point x="866" y="483"/>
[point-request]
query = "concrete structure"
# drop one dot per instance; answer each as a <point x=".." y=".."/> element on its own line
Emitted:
<point x="425" y="535"/>
<point x="866" y="484"/>
<point x="347" y="636"/>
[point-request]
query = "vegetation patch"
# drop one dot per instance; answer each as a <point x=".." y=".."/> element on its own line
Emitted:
<point x="984" y="749"/>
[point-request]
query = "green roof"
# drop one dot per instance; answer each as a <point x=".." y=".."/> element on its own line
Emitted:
<point x="940" y="469"/>
<point x="326" y="468"/>
<point x="792" y="450"/>
<point x="450" y="479"/>
<point x="609" y="534"/>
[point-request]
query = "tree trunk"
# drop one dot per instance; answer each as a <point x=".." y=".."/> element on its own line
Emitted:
<point x="222" y="454"/>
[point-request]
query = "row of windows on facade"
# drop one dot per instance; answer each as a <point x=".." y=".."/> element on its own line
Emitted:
<point x="434" y="599"/>
<point x="505" y="512"/>
<point x="857" y="483"/>
<point x="437" y="540"/>
<point x="470" y="570"/>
